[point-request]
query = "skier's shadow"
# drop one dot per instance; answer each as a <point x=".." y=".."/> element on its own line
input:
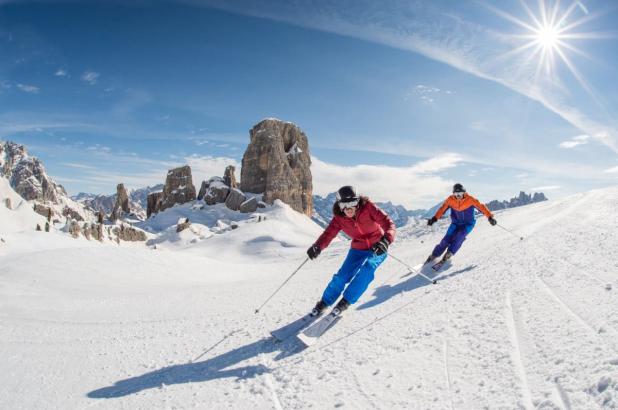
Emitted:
<point x="383" y="293"/>
<point x="216" y="368"/>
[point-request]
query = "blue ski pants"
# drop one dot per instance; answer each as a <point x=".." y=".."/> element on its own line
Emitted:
<point x="357" y="270"/>
<point x="454" y="238"/>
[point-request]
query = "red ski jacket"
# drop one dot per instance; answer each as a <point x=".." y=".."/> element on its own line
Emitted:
<point x="366" y="228"/>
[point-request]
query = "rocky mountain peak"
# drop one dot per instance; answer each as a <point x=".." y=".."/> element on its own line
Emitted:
<point x="277" y="165"/>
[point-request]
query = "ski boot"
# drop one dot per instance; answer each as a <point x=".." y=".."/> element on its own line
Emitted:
<point x="319" y="308"/>
<point x="446" y="257"/>
<point x="430" y="259"/>
<point x="341" y="306"/>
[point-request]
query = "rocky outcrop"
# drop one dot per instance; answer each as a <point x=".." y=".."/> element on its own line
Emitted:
<point x="217" y="191"/>
<point x="250" y="205"/>
<point x="235" y="199"/>
<point x="129" y="234"/>
<point x="71" y="214"/>
<point x="520" y="200"/>
<point x="183" y="224"/>
<point x="154" y="203"/>
<point x="122" y="203"/>
<point x="203" y="190"/>
<point x="27" y="176"/>
<point x="178" y="189"/>
<point x="74" y="229"/>
<point x="277" y="165"/>
<point x="229" y="178"/>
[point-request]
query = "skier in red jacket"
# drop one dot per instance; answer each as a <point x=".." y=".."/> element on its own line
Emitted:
<point x="371" y="230"/>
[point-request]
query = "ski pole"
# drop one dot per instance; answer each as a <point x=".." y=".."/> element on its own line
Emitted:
<point x="413" y="270"/>
<point x="521" y="238"/>
<point x="283" y="284"/>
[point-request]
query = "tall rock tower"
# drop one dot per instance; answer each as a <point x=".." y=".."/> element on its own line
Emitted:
<point x="277" y="165"/>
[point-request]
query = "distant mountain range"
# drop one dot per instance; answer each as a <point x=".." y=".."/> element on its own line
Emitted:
<point x="323" y="208"/>
<point x="138" y="199"/>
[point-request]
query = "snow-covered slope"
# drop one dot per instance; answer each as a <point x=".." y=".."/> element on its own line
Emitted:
<point x="20" y="217"/>
<point x="513" y="324"/>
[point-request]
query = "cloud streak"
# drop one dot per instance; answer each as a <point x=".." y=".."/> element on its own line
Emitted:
<point x="420" y="27"/>
<point x="415" y="186"/>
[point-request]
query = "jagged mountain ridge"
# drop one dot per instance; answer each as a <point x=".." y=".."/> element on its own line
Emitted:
<point x="27" y="176"/>
<point x="138" y="199"/>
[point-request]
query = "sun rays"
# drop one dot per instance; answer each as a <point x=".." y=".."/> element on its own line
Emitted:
<point x="547" y="38"/>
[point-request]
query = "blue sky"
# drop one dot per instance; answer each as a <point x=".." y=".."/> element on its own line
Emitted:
<point x="401" y="98"/>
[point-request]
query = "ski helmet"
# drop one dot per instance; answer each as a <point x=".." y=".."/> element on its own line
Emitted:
<point x="347" y="194"/>
<point x="458" y="188"/>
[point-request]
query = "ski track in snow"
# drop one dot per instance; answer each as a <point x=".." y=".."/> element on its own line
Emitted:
<point x="516" y="354"/>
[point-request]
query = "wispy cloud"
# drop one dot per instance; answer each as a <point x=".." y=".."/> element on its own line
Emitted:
<point x="575" y="141"/>
<point x="61" y="73"/>
<point x="426" y="94"/>
<point x="27" y="88"/>
<point x="204" y="167"/>
<point x="78" y="166"/>
<point x="415" y="186"/>
<point x="545" y="188"/>
<point x="91" y="77"/>
<point x="613" y="170"/>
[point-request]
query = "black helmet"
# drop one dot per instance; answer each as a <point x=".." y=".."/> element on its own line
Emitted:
<point x="347" y="194"/>
<point x="458" y="188"/>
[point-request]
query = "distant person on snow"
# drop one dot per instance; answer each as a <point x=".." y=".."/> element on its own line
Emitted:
<point x="462" y="207"/>
<point x="371" y="230"/>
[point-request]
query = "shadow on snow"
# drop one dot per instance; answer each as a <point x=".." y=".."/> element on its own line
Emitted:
<point x="218" y="367"/>
<point x="383" y="293"/>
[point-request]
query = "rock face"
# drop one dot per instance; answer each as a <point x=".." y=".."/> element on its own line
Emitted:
<point x="203" y="189"/>
<point x="178" y="189"/>
<point x="154" y="203"/>
<point x="138" y="201"/>
<point x="229" y="178"/>
<point x="235" y="199"/>
<point x="250" y="205"/>
<point x="520" y="200"/>
<point x="277" y="165"/>
<point x="27" y="176"/>
<point x="129" y="234"/>
<point x="217" y="191"/>
<point x="122" y="203"/>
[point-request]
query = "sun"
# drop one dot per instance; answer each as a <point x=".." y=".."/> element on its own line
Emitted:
<point x="547" y="36"/>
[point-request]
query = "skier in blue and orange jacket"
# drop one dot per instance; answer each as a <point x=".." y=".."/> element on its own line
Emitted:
<point x="462" y="207"/>
<point x="371" y="230"/>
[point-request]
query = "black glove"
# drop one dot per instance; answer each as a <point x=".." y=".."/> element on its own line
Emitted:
<point x="432" y="221"/>
<point x="492" y="221"/>
<point x="313" y="251"/>
<point x="380" y="246"/>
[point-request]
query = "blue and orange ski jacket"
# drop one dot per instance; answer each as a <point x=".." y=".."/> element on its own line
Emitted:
<point x="462" y="210"/>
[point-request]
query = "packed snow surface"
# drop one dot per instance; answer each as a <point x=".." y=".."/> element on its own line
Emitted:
<point x="512" y="324"/>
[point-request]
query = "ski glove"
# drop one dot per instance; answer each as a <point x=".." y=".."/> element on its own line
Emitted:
<point x="380" y="246"/>
<point x="432" y="221"/>
<point x="313" y="251"/>
<point x="492" y="221"/>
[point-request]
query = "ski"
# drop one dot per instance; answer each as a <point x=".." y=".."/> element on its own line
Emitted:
<point x="442" y="264"/>
<point x="292" y="329"/>
<point x="311" y="334"/>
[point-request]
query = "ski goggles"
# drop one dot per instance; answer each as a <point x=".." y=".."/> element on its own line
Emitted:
<point x="349" y="204"/>
<point x="458" y="195"/>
